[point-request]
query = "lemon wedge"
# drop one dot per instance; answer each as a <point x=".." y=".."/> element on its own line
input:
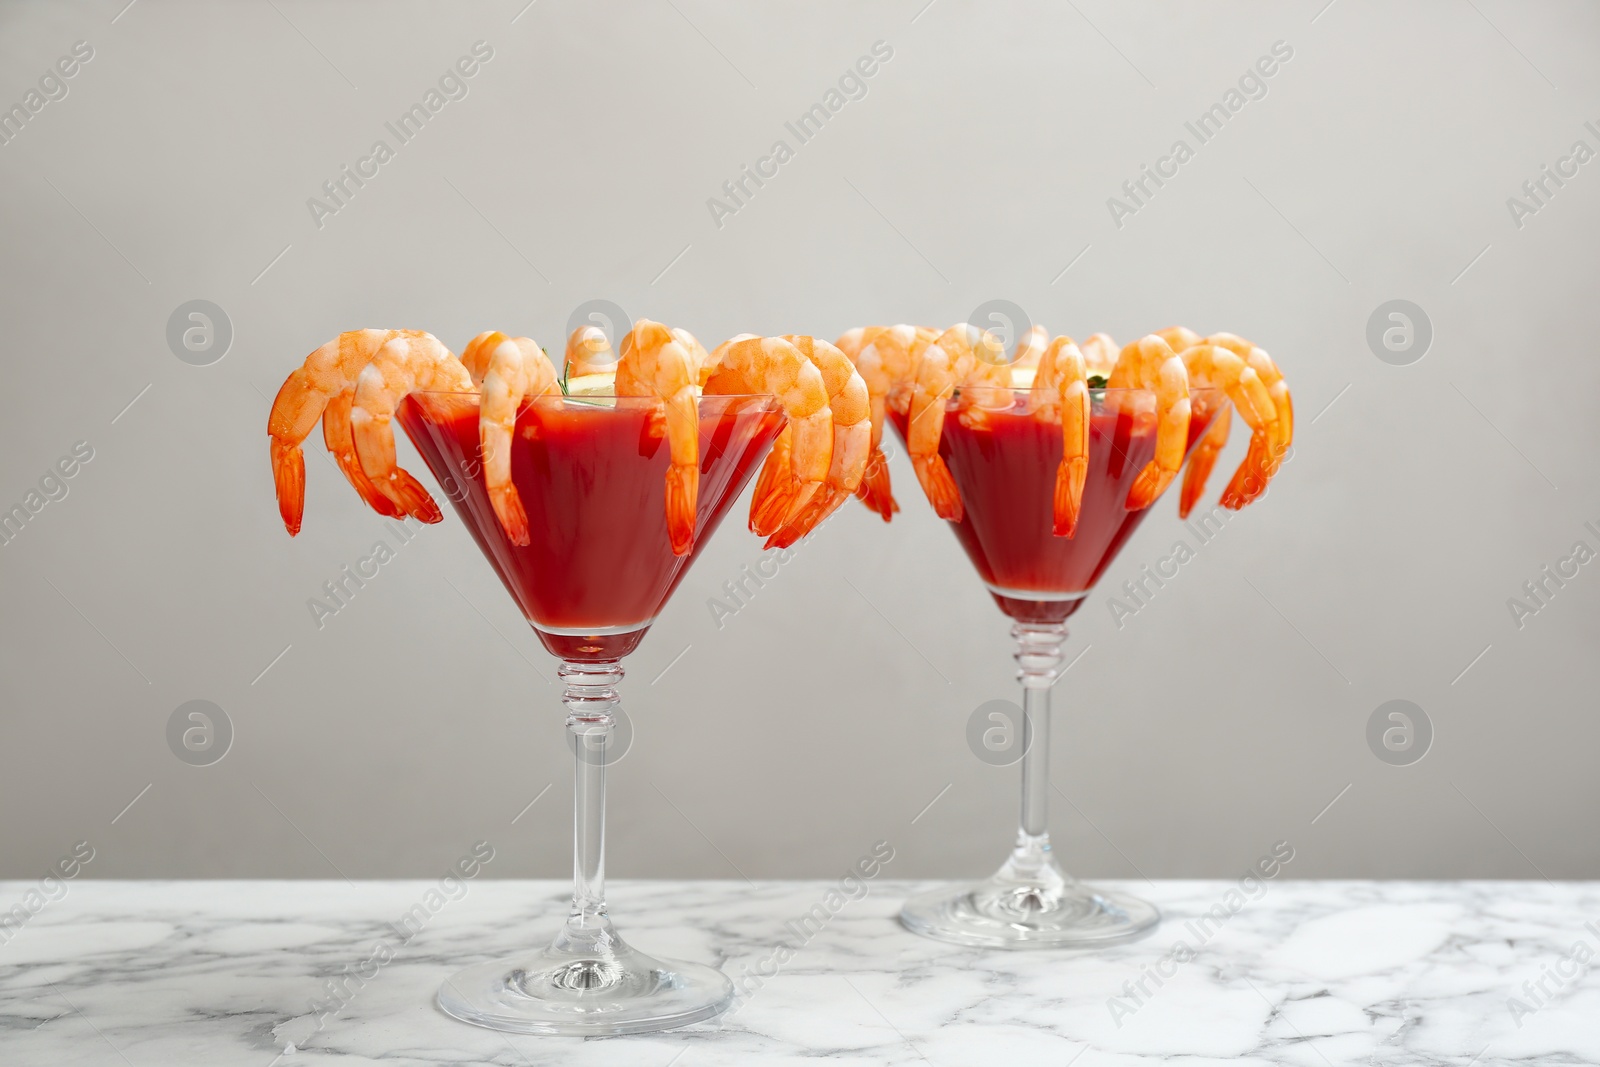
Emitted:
<point x="601" y="384"/>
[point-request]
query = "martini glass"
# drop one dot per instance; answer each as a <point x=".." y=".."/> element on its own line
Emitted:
<point x="591" y="472"/>
<point x="1004" y="465"/>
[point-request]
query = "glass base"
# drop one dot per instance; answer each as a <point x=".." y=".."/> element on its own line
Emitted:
<point x="593" y="986"/>
<point x="1030" y="903"/>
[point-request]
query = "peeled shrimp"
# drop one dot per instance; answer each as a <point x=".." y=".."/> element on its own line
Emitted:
<point x="1150" y="363"/>
<point x="1272" y="430"/>
<point x="698" y="356"/>
<point x="322" y="388"/>
<point x="963" y="357"/>
<point x="852" y="438"/>
<point x="880" y="355"/>
<point x="654" y="363"/>
<point x="511" y="368"/>
<point x="410" y="362"/>
<point x="588" y="352"/>
<point x="773" y="366"/>
<point x="1030" y="347"/>
<point x="1179" y="338"/>
<point x="1060" y="393"/>
<point x="1100" y="354"/>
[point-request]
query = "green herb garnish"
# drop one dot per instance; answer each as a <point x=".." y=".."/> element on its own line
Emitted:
<point x="566" y="372"/>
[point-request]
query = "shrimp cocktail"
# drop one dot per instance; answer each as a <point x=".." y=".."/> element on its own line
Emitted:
<point x="1045" y="461"/>
<point x="590" y="493"/>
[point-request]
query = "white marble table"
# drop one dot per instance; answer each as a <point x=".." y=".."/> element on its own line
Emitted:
<point x="1311" y="973"/>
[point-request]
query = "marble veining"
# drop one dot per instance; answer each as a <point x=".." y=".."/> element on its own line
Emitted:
<point x="1308" y="974"/>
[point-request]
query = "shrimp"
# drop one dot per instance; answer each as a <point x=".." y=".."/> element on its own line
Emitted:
<point x="852" y="438"/>
<point x="322" y="388"/>
<point x="715" y="359"/>
<point x="1100" y="354"/>
<point x="588" y="352"/>
<point x="1030" y="347"/>
<point x="508" y="369"/>
<point x="1150" y="363"/>
<point x="654" y="363"/>
<point x="1179" y="338"/>
<point x="698" y="356"/>
<point x="411" y="362"/>
<point x="1272" y="431"/>
<point x="880" y="356"/>
<point x="963" y="357"/>
<point x="1060" y="393"/>
<point x="773" y="366"/>
<point x="1202" y="459"/>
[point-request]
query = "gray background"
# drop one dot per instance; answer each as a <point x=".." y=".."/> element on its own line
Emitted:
<point x="829" y="712"/>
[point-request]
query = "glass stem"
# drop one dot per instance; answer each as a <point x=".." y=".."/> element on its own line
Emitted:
<point x="1038" y="658"/>
<point x="591" y="700"/>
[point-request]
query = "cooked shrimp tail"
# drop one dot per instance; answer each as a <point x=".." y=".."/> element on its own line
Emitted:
<point x="1150" y="363"/>
<point x="1258" y="392"/>
<point x="289" y="480"/>
<point x="336" y="435"/>
<point x="1202" y="460"/>
<point x="655" y="363"/>
<point x="513" y="368"/>
<point x="410" y="362"/>
<point x="326" y="377"/>
<point x="775" y="367"/>
<point x="850" y="409"/>
<point x="963" y="357"/>
<point x="777" y="490"/>
<point x="882" y="355"/>
<point x="875" y="490"/>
